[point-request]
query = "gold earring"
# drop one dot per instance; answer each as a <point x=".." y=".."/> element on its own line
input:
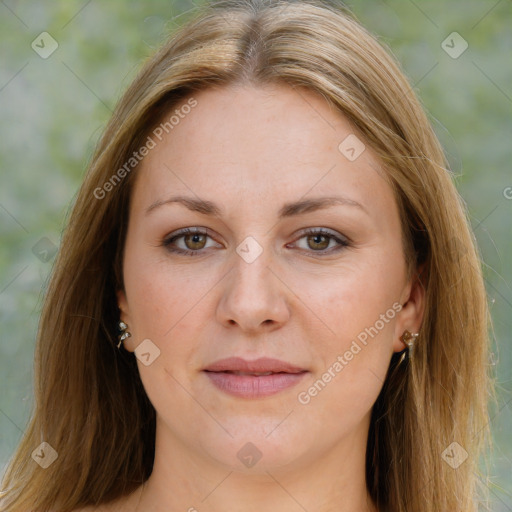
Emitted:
<point x="409" y="338"/>
<point x="124" y="333"/>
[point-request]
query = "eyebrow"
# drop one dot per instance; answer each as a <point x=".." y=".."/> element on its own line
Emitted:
<point x="287" y="210"/>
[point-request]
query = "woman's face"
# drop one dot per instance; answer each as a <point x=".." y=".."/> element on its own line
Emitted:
<point x="252" y="165"/>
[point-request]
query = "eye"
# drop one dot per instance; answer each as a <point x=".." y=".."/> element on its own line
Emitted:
<point x="319" y="239"/>
<point x="193" y="238"/>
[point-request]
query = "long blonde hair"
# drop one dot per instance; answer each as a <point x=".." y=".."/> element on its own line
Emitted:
<point x="90" y="405"/>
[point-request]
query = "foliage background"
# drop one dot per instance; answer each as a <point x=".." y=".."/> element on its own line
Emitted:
<point x="53" y="110"/>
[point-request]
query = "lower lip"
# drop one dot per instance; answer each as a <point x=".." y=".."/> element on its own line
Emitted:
<point x="253" y="386"/>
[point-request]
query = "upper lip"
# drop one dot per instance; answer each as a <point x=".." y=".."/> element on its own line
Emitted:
<point x="261" y="365"/>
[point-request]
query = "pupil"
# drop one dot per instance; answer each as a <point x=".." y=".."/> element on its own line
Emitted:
<point x="316" y="239"/>
<point x="195" y="239"/>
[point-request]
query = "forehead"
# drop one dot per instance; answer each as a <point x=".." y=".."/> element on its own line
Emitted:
<point x="250" y="146"/>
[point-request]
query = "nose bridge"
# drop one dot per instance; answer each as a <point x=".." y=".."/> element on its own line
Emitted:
<point x="253" y="294"/>
<point x="251" y="275"/>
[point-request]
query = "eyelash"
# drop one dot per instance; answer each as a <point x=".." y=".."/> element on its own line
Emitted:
<point x="309" y="232"/>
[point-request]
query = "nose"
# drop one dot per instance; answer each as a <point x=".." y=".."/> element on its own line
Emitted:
<point x="253" y="296"/>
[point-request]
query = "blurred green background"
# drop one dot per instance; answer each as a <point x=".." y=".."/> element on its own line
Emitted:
<point x="52" y="111"/>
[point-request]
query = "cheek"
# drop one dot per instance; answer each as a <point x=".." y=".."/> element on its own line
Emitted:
<point x="151" y="307"/>
<point x="166" y="308"/>
<point x="355" y="299"/>
<point x="170" y="307"/>
<point x="160" y="295"/>
<point x="360" y="310"/>
<point x="352" y="363"/>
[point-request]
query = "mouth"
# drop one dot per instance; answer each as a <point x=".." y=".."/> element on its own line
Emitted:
<point x="253" y="379"/>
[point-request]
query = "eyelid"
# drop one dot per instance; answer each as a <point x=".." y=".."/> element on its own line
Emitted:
<point x="327" y="231"/>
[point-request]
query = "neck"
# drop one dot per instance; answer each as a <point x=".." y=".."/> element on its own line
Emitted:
<point x="185" y="478"/>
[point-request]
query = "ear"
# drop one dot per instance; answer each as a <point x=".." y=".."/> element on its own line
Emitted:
<point x="411" y="315"/>
<point x="125" y="317"/>
<point x="122" y="304"/>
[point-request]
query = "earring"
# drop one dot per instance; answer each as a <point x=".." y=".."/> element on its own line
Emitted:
<point x="124" y="333"/>
<point x="409" y="338"/>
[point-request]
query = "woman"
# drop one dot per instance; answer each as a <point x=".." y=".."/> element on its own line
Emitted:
<point x="270" y="222"/>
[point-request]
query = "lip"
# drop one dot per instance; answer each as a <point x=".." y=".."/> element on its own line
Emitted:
<point x="261" y="365"/>
<point x="284" y="375"/>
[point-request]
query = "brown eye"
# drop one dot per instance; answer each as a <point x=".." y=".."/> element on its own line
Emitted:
<point x="318" y="241"/>
<point x="192" y="242"/>
<point x="189" y="242"/>
<point x="195" y="241"/>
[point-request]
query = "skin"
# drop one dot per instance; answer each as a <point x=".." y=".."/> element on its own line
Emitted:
<point x="250" y="150"/>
